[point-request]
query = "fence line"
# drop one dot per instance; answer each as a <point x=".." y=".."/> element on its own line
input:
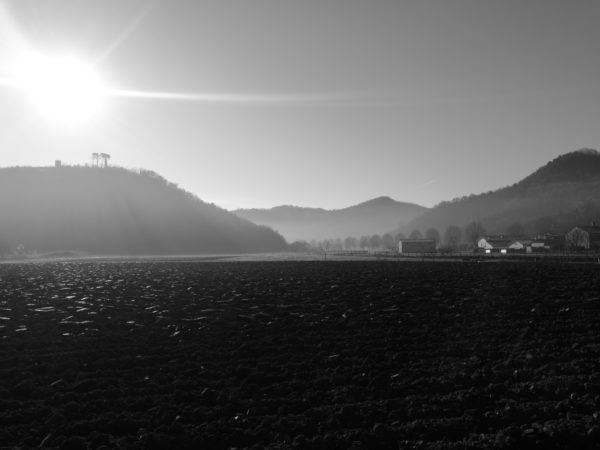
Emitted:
<point x="564" y="256"/>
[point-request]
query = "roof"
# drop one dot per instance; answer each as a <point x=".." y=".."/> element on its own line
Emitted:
<point x="523" y="241"/>
<point x="592" y="229"/>
<point x="499" y="242"/>
<point x="417" y="240"/>
<point x="510" y="237"/>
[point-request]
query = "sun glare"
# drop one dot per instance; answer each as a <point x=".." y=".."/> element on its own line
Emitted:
<point x="63" y="89"/>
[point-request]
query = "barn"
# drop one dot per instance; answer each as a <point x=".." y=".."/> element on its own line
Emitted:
<point x="504" y="244"/>
<point x="416" y="246"/>
<point x="583" y="238"/>
<point x="493" y="244"/>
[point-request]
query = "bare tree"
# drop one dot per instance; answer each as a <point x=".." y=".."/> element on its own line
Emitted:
<point x="387" y="240"/>
<point x="104" y="157"/>
<point x="337" y="244"/>
<point x="416" y="234"/>
<point x="473" y="231"/>
<point x="452" y="236"/>
<point x="375" y="242"/>
<point x="364" y="242"/>
<point x="324" y="246"/>
<point x="350" y="243"/>
<point x="433" y="233"/>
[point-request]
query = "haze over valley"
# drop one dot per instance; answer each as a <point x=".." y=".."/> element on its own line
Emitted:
<point x="373" y="216"/>
<point x="559" y="195"/>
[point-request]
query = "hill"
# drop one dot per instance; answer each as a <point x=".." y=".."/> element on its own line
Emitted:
<point x="374" y="216"/>
<point x="564" y="192"/>
<point x="117" y="211"/>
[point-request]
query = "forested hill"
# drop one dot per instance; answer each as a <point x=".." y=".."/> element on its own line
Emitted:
<point x="578" y="166"/>
<point x="117" y="211"/>
<point x="377" y="215"/>
<point x="563" y="193"/>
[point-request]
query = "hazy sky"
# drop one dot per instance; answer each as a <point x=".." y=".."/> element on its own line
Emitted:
<point x="316" y="102"/>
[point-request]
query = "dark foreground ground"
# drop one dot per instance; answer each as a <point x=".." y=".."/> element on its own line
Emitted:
<point x="327" y="355"/>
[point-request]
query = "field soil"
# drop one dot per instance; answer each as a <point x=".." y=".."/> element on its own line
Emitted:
<point x="320" y="354"/>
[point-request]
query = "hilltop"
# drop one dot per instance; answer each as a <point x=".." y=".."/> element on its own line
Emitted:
<point x="377" y="215"/>
<point x="564" y="192"/>
<point x="578" y="166"/>
<point x="117" y="211"/>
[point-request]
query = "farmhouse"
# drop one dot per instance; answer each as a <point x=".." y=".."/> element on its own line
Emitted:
<point x="583" y="237"/>
<point x="504" y="244"/>
<point x="493" y="244"/>
<point x="416" y="246"/>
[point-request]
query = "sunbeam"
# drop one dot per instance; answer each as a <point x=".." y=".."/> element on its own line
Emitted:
<point x="128" y="31"/>
<point x="231" y="98"/>
<point x="324" y="99"/>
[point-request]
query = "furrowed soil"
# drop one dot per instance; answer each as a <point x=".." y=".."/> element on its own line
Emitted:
<point x="324" y="355"/>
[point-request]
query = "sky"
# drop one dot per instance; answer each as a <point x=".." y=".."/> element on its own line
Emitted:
<point x="321" y="103"/>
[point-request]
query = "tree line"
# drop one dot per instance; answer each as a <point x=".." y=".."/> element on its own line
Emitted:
<point x="454" y="238"/>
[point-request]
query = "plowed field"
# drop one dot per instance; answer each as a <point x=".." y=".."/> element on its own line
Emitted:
<point x="325" y="355"/>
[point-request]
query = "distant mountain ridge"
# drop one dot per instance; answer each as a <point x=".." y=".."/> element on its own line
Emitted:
<point x="564" y="192"/>
<point x="116" y="211"/>
<point x="298" y="223"/>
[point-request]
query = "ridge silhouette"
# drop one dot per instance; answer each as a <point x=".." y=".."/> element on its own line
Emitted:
<point x="117" y="211"/>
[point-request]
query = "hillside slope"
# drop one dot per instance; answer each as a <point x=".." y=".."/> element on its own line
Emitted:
<point x="564" y="192"/>
<point x="374" y="216"/>
<point x="116" y="211"/>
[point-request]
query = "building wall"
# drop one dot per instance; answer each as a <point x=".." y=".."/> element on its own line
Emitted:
<point x="416" y="246"/>
<point x="482" y="243"/>
<point x="578" y="238"/>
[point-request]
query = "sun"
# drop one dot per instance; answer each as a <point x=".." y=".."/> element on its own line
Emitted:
<point x="63" y="88"/>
